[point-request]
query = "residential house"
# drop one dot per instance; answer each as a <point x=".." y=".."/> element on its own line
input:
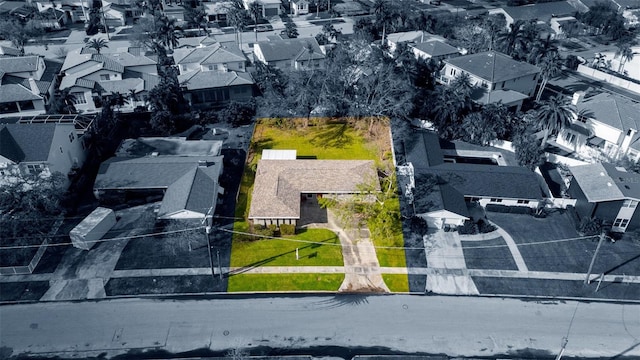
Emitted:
<point x="214" y="74"/>
<point x="26" y="84"/>
<point x="565" y="26"/>
<point x="539" y="12"/>
<point x="607" y="192"/>
<point x="283" y="182"/>
<point x="410" y="38"/>
<point x="287" y="54"/>
<point x="270" y="8"/>
<point x="434" y="49"/>
<point x="497" y="76"/>
<point x="441" y="183"/>
<point x="174" y="11"/>
<point x="182" y="173"/>
<point x="300" y="7"/>
<point x="217" y="11"/>
<point x="88" y="75"/>
<point x="606" y="123"/>
<point x="47" y="143"/>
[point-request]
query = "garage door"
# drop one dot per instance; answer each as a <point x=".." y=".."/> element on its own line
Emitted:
<point x="268" y="12"/>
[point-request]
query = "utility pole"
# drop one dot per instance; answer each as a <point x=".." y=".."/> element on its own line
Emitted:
<point x="593" y="259"/>
<point x="207" y="230"/>
<point x="564" y="345"/>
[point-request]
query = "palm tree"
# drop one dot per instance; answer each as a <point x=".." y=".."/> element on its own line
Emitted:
<point x="382" y="10"/>
<point x="553" y="114"/>
<point x="96" y="44"/>
<point x="508" y="41"/>
<point x="550" y="66"/>
<point x="626" y="54"/>
<point x="255" y="10"/>
<point x="167" y="32"/>
<point x="236" y="17"/>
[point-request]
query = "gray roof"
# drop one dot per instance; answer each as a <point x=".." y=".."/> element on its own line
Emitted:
<point x="431" y="195"/>
<point x="144" y="146"/>
<point x="616" y="111"/>
<point x="19" y="64"/>
<point x="218" y="53"/>
<point x="196" y="80"/>
<point x="290" y="49"/>
<point x="26" y="142"/>
<point x="279" y="183"/>
<point x="196" y="191"/>
<point x="472" y="180"/>
<point x="540" y="11"/>
<point x="436" y="48"/>
<point x="15" y="92"/>
<point x="423" y="149"/>
<point x="604" y="182"/>
<point x="493" y="66"/>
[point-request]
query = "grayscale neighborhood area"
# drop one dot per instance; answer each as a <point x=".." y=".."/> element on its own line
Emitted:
<point x="319" y="179"/>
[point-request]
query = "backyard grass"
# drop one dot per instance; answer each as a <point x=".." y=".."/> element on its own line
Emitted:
<point x="396" y="282"/>
<point x="535" y="238"/>
<point x="274" y="252"/>
<point x="285" y="282"/>
<point x="488" y="254"/>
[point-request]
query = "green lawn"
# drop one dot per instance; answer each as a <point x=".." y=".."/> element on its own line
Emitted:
<point x="285" y="282"/>
<point x="396" y="282"/>
<point x="273" y="252"/>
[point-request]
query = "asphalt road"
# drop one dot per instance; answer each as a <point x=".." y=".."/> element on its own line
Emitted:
<point x="461" y="326"/>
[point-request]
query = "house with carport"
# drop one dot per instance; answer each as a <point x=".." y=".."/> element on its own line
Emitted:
<point x="283" y="182"/>
<point x="441" y="184"/>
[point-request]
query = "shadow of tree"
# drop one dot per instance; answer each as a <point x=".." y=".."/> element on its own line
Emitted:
<point x="333" y="136"/>
<point x="258" y="146"/>
<point x="340" y="300"/>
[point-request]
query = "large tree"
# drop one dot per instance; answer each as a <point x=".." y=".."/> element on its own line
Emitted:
<point x="18" y="33"/>
<point x="255" y="10"/>
<point x="550" y="66"/>
<point x="625" y="52"/>
<point x="553" y="114"/>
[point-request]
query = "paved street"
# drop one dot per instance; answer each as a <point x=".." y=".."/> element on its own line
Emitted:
<point x="462" y="326"/>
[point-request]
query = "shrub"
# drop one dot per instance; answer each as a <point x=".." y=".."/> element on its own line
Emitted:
<point x="509" y="209"/>
<point x="497" y="208"/>
<point x="263" y="230"/>
<point x="468" y="228"/>
<point x="591" y="226"/>
<point x="485" y="227"/>
<point x="419" y="225"/>
<point x="286" y="229"/>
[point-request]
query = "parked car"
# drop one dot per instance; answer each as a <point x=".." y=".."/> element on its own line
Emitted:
<point x="263" y="28"/>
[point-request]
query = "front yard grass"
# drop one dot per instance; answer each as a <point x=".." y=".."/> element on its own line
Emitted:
<point x="390" y="257"/>
<point x="185" y="284"/>
<point x="621" y="257"/>
<point x="23" y="290"/>
<point x="396" y="282"/>
<point x="492" y="254"/>
<point x="275" y="252"/>
<point x="285" y="282"/>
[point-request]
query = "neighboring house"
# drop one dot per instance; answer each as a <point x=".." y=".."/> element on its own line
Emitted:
<point x="88" y="75"/>
<point x="183" y="173"/>
<point x="174" y="11"/>
<point x="213" y="74"/>
<point x="607" y="192"/>
<point x="540" y="12"/>
<point x="566" y="26"/>
<point x="33" y="147"/>
<point x="498" y="77"/>
<point x="7" y="51"/>
<point x="440" y="184"/>
<point x="286" y="54"/>
<point x="270" y="8"/>
<point x="217" y="11"/>
<point x="607" y="123"/>
<point x="434" y="49"/>
<point x="630" y="67"/>
<point x="283" y="182"/>
<point x="300" y="7"/>
<point x="26" y="84"/>
<point x="410" y="38"/>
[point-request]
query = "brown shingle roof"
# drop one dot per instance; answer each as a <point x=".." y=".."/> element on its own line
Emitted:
<point x="279" y="183"/>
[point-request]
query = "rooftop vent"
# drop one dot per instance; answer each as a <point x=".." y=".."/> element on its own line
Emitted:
<point x="155" y="153"/>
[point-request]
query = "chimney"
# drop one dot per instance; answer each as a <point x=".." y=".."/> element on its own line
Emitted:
<point x="202" y="163"/>
<point x="577" y="97"/>
<point x="34" y="87"/>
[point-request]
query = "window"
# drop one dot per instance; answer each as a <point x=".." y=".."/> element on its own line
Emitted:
<point x="523" y="201"/>
<point x="61" y="150"/>
<point x="71" y="137"/>
<point x="34" y="168"/>
<point x="104" y="76"/>
<point x="629" y="132"/>
<point x="496" y="200"/>
<point x="621" y="223"/>
<point x="570" y="137"/>
<point x="453" y="72"/>
<point x="78" y="98"/>
<point x="630" y="204"/>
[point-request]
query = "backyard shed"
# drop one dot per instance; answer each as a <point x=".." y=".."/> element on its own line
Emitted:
<point x="92" y="228"/>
